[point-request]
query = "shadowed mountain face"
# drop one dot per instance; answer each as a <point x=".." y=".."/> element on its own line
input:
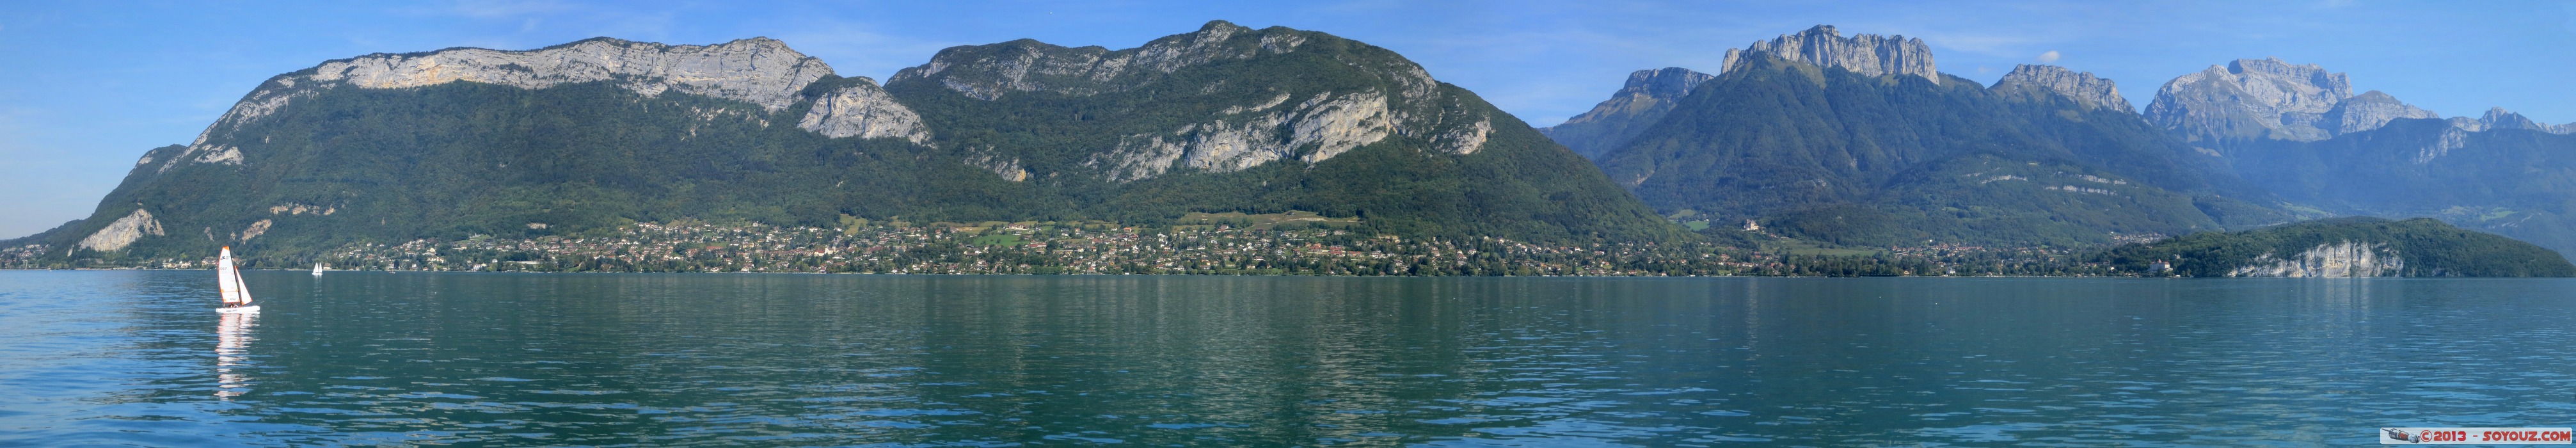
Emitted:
<point x="590" y="135"/>
<point x="2045" y="157"/>
<point x="1648" y="95"/>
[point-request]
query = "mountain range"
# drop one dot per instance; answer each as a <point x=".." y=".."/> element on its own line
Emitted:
<point x="1839" y="140"/>
<point x="1859" y="140"/>
<point x="599" y="133"/>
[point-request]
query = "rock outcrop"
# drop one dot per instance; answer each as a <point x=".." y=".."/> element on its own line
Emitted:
<point x="862" y="109"/>
<point x="1306" y="126"/>
<point x="2345" y="259"/>
<point x="1648" y="95"/>
<point x="2250" y="99"/>
<point x="760" y="71"/>
<point x="2082" y="87"/>
<point x="2368" y="111"/>
<point x="123" y="232"/>
<point x="1333" y="124"/>
<point x="1867" y="54"/>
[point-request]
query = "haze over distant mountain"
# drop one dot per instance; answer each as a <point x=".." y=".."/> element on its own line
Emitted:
<point x="1856" y="140"/>
<point x="2295" y="130"/>
<point x="2082" y="87"/>
<point x="2267" y="99"/>
<point x="590" y="135"/>
<point x="1643" y="101"/>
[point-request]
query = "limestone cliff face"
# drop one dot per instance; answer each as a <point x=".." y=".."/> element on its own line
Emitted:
<point x="2346" y="259"/>
<point x="862" y="109"/>
<point x="1333" y="124"/>
<point x="1867" y="54"/>
<point x="760" y="71"/>
<point x="2250" y="99"/>
<point x="1648" y="95"/>
<point x="1305" y="126"/>
<point x="123" y="232"/>
<point x="2368" y="111"/>
<point x="2082" y="87"/>
<point x="757" y="70"/>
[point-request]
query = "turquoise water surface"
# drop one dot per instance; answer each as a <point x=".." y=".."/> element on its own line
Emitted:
<point x="140" y="358"/>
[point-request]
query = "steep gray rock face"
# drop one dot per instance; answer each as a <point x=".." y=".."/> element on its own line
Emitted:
<point x="123" y="232"/>
<point x="2346" y="259"/>
<point x="760" y="71"/>
<point x="2368" y="111"/>
<point x="864" y="110"/>
<point x="2083" y="87"/>
<point x="1648" y="95"/>
<point x="1867" y="54"/>
<point x="1333" y="124"/>
<point x="2250" y="99"/>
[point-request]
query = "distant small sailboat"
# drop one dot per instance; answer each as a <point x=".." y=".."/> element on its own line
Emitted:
<point x="317" y="269"/>
<point x="228" y="280"/>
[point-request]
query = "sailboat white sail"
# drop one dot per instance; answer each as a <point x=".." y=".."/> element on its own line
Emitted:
<point x="228" y="280"/>
<point x="317" y="269"/>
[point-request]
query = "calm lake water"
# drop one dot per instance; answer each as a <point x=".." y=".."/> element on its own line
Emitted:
<point x="723" y="359"/>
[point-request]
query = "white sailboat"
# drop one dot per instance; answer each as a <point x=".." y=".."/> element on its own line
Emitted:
<point x="317" y="269"/>
<point x="228" y="280"/>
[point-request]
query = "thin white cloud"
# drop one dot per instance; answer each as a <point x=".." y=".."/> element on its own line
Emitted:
<point x="2050" y="57"/>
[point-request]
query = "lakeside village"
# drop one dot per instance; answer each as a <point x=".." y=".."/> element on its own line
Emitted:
<point x="1229" y="244"/>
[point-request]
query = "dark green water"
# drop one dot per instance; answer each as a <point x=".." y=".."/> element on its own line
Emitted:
<point x="723" y="359"/>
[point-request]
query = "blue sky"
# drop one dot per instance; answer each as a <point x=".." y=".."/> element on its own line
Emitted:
<point x="88" y="86"/>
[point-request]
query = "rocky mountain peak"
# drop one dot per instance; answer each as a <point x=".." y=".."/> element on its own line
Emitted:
<point x="2499" y="118"/>
<point x="2083" y="87"/>
<point x="2368" y="111"/>
<point x="2251" y="99"/>
<point x="1670" y="83"/>
<point x="1648" y="95"/>
<point x="1867" y="54"/>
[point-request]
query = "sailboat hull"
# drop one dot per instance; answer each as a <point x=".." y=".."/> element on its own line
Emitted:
<point x="238" y="309"/>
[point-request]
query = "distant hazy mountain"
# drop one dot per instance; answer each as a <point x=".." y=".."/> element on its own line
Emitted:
<point x="563" y="140"/>
<point x="1856" y="140"/>
<point x="1900" y="161"/>
<point x="2082" y="87"/>
<point x="2345" y="247"/>
<point x="1643" y="101"/>
<point x="2296" y="130"/>
<point x="2514" y="182"/>
<point x="2257" y="100"/>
